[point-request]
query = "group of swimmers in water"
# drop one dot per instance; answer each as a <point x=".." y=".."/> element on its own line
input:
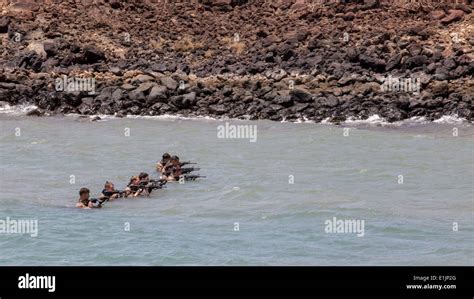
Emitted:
<point x="170" y="169"/>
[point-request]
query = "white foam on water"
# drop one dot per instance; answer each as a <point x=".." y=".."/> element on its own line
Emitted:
<point x="175" y="117"/>
<point x="415" y="120"/>
<point x="166" y="117"/>
<point x="304" y="120"/>
<point x="373" y="119"/>
<point x="326" y="121"/>
<point x="450" y="119"/>
<point x="107" y="117"/>
<point x="17" y="110"/>
<point x="182" y="117"/>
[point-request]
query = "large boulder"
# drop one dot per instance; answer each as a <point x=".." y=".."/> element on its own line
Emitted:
<point x="370" y="62"/>
<point x="301" y="95"/>
<point x="190" y="98"/>
<point x="115" y="4"/>
<point x="393" y="62"/>
<point x="117" y="95"/>
<point x="50" y="47"/>
<point x="136" y="95"/>
<point x="4" y="23"/>
<point x="184" y="101"/>
<point x="439" y="88"/>
<point x="415" y="61"/>
<point x="437" y="14"/>
<point x="157" y="94"/>
<point x="217" y="109"/>
<point x="145" y="87"/>
<point x="29" y="60"/>
<point x="453" y="16"/>
<point x="23" y="9"/>
<point x="142" y="78"/>
<point x="285" y="101"/>
<point x="330" y="101"/>
<point x="92" y="55"/>
<point x="169" y="82"/>
<point x="38" y="48"/>
<point x="223" y="4"/>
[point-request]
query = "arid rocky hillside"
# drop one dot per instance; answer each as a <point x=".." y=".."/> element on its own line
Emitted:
<point x="259" y="59"/>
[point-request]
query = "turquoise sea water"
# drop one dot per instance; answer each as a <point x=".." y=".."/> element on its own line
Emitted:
<point x="248" y="185"/>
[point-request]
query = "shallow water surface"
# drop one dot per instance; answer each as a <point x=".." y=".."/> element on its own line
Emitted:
<point x="348" y="177"/>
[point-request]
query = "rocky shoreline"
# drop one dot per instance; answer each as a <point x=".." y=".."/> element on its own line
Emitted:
<point x="281" y="60"/>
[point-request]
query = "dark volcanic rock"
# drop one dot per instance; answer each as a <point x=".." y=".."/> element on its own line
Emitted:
<point x="30" y="60"/>
<point x="372" y="62"/>
<point x="300" y="95"/>
<point x="453" y="16"/>
<point x="234" y="58"/>
<point x="4" y="23"/>
<point x="348" y="16"/>
<point x="157" y="94"/>
<point x="393" y="62"/>
<point x="93" y="55"/>
<point x="35" y="112"/>
<point x="115" y="4"/>
<point x="184" y="101"/>
<point x="440" y="88"/>
<point x="136" y="95"/>
<point x="352" y="54"/>
<point x="169" y="83"/>
<point x="51" y="48"/>
<point x="285" y="101"/>
<point x="190" y="98"/>
<point x="330" y="101"/>
<point x="415" y="61"/>
<point x="217" y="109"/>
<point x="437" y="14"/>
<point x="117" y="95"/>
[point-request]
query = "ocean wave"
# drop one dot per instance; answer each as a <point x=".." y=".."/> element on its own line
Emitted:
<point x="326" y="121"/>
<point x="301" y="120"/>
<point x="450" y="119"/>
<point x="416" y="120"/>
<point x="107" y="117"/>
<point x="17" y="109"/>
<point x="304" y="120"/>
<point x="176" y="117"/>
<point x="372" y="120"/>
<point x="375" y="119"/>
<point x="167" y="117"/>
